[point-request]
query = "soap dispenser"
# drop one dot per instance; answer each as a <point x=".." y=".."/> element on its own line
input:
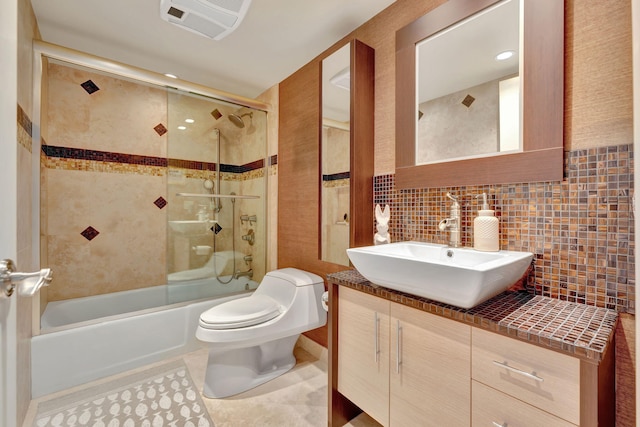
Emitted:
<point x="485" y="228"/>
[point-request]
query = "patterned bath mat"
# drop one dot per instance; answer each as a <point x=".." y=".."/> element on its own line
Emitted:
<point x="161" y="396"/>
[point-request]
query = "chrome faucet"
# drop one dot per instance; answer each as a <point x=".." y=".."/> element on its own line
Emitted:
<point x="248" y="273"/>
<point x="452" y="223"/>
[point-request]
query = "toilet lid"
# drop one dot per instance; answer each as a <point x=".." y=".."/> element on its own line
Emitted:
<point x="240" y="313"/>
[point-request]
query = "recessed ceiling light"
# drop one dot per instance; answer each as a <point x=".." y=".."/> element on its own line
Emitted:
<point x="505" y="55"/>
<point x="189" y="120"/>
<point x="171" y="76"/>
<point x="182" y="127"/>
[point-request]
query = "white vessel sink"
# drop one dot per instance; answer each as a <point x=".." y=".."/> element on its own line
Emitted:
<point x="191" y="226"/>
<point x="462" y="277"/>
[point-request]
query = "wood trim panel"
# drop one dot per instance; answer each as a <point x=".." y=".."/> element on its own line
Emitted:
<point x="543" y="75"/>
<point x="598" y="391"/>
<point x="543" y="94"/>
<point x="532" y="166"/>
<point x="362" y="161"/>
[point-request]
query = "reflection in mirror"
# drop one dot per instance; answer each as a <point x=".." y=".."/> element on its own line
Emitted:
<point x="468" y="87"/>
<point x="335" y="168"/>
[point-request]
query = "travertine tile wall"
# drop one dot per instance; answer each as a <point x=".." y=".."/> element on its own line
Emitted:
<point x="581" y="230"/>
<point x="107" y="165"/>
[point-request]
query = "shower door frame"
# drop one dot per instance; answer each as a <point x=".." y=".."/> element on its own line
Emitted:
<point x="42" y="50"/>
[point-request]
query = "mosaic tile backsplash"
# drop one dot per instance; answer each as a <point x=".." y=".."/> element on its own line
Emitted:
<point x="581" y="230"/>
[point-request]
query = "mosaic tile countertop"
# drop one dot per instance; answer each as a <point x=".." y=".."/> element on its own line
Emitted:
<point x="576" y="329"/>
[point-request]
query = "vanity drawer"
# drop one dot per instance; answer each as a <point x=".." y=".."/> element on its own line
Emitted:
<point x="490" y="407"/>
<point x="543" y="378"/>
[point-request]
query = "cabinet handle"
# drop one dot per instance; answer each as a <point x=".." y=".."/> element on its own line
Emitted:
<point x="376" y="332"/>
<point x="518" y="371"/>
<point x="398" y="347"/>
<point x="499" y="425"/>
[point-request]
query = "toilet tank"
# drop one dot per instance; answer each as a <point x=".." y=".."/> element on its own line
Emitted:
<point x="283" y="284"/>
<point x="296" y="276"/>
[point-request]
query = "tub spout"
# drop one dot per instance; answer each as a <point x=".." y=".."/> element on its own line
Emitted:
<point x="248" y="273"/>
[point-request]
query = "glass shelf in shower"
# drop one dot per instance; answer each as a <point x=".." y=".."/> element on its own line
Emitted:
<point x="221" y="196"/>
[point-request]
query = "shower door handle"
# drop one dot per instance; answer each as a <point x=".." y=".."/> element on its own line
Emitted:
<point x="31" y="282"/>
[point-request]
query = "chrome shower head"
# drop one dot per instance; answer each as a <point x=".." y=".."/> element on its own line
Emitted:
<point x="237" y="120"/>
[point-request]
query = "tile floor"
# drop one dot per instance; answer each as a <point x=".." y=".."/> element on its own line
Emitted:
<point x="295" y="399"/>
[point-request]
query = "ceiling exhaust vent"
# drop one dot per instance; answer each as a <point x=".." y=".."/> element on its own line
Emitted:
<point x="210" y="18"/>
<point x="342" y="79"/>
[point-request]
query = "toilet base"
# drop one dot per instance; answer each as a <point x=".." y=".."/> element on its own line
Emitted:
<point x="230" y="372"/>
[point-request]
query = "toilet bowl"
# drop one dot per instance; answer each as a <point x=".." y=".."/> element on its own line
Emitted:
<point x="251" y="339"/>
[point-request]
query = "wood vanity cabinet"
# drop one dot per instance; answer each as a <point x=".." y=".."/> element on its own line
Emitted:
<point x="407" y="367"/>
<point x="402" y="366"/>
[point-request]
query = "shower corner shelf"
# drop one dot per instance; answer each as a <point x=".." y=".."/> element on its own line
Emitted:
<point x="221" y="196"/>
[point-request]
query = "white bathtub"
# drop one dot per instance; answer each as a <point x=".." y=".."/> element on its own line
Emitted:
<point x="75" y="347"/>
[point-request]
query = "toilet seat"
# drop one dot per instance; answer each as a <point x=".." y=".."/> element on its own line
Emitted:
<point x="241" y="313"/>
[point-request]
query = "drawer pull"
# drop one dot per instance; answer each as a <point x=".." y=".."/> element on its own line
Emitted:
<point x="376" y="332"/>
<point x="398" y="347"/>
<point x="499" y="425"/>
<point x="518" y="371"/>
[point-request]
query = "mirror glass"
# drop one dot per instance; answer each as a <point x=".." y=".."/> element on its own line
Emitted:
<point x="468" y="87"/>
<point x="335" y="157"/>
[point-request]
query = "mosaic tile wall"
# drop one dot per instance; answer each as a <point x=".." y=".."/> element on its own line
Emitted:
<point x="581" y="230"/>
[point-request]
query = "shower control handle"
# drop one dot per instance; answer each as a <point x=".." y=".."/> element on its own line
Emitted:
<point x="251" y="218"/>
<point x="250" y="237"/>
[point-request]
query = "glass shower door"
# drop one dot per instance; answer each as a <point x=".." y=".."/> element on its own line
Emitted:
<point x="216" y="197"/>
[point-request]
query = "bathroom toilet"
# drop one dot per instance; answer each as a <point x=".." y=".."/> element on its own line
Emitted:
<point x="251" y="339"/>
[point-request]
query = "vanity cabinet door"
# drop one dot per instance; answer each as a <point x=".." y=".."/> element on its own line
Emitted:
<point x="430" y="370"/>
<point x="363" y="352"/>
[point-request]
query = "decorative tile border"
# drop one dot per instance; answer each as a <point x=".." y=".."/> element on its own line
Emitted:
<point x="24" y="121"/>
<point x="100" y="166"/>
<point x="25" y="129"/>
<point x="191" y="164"/>
<point x="336" y="176"/>
<point x="102" y="161"/>
<point x="335" y="183"/>
<point x="583" y="331"/>
<point x="102" y="156"/>
<point x="581" y="230"/>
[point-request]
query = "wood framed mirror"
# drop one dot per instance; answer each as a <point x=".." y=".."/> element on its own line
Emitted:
<point x="540" y="157"/>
